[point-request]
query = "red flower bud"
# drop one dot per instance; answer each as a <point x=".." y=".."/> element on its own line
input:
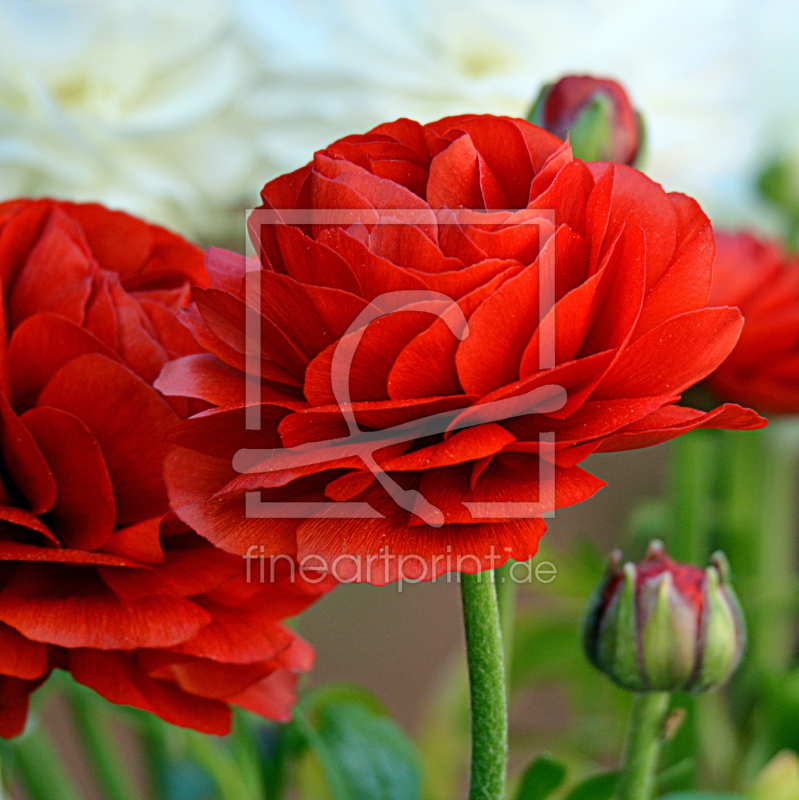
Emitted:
<point x="664" y="626"/>
<point x="597" y="115"/>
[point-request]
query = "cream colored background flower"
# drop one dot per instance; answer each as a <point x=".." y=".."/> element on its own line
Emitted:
<point x="135" y="103"/>
<point x="180" y="110"/>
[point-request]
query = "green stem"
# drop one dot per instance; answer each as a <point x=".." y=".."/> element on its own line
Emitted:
<point x="740" y="469"/>
<point x="246" y="752"/>
<point x="104" y="758"/>
<point x="220" y="766"/>
<point x="444" y="735"/>
<point x="643" y="746"/>
<point x="506" y="598"/>
<point x="773" y="638"/>
<point x="152" y="731"/>
<point x="39" y="767"/>
<point x="691" y="484"/>
<point x="487" y="685"/>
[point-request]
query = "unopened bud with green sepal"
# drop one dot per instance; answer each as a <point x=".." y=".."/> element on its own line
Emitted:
<point x="595" y="113"/>
<point x="663" y="626"/>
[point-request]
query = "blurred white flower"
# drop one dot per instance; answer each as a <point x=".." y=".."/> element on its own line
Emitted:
<point x="132" y="102"/>
<point x="180" y="110"/>
<point x="354" y="63"/>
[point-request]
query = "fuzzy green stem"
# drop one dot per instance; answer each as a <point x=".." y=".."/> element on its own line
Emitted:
<point x="103" y="756"/>
<point x="506" y="598"/>
<point x="690" y="488"/>
<point x="484" y="648"/>
<point x="644" y="739"/>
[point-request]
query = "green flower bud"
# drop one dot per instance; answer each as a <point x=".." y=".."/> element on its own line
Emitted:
<point x="664" y="626"/>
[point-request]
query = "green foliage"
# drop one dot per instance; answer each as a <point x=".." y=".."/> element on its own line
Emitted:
<point x="541" y="778"/>
<point x="701" y="796"/>
<point x="358" y="749"/>
<point x="597" y="787"/>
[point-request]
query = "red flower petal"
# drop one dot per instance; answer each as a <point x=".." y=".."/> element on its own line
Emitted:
<point x="407" y="246"/>
<point x="142" y="255"/>
<point x="502" y="145"/>
<point x="16" y="551"/>
<point x="510" y="478"/>
<point x="193" y="568"/>
<point x="593" y="419"/>
<point x="673" y="356"/>
<point x="377" y="348"/>
<point x="509" y="315"/>
<point x="667" y="423"/>
<point x="57" y="276"/>
<point x="85" y="513"/>
<point x="273" y="697"/>
<point x="685" y="286"/>
<point x="225" y="317"/>
<point x="21" y="657"/>
<point x="24" y="462"/>
<point x="466" y="445"/>
<point x="73" y="608"/>
<point x="204" y="377"/>
<point x="14" y="698"/>
<point x="454" y="179"/>
<point x="314" y="424"/>
<point x="620" y="293"/>
<point x="140" y="542"/>
<point x="118" y="678"/>
<point x="325" y="314"/>
<point x="313" y="263"/>
<point x="239" y="636"/>
<point x="410" y="376"/>
<point x="210" y="679"/>
<point x="376" y="275"/>
<point x="130" y="423"/>
<point x="634" y="200"/>
<point x="194" y="479"/>
<point x="18" y="516"/>
<point x="40" y="346"/>
<point x="382" y="550"/>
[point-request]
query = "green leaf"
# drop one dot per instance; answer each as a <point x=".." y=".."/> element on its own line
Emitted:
<point x="361" y="751"/>
<point x="701" y="796"/>
<point x="677" y="776"/>
<point x="597" y="787"/>
<point x="541" y="778"/>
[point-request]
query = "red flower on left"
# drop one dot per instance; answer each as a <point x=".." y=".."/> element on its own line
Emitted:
<point x="97" y="576"/>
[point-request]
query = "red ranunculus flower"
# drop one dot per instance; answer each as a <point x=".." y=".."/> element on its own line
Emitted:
<point x="629" y="332"/>
<point x="98" y="578"/>
<point x="763" y="281"/>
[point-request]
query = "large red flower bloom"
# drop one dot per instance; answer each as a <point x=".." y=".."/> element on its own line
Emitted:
<point x="628" y="265"/>
<point x="98" y="578"/>
<point x="763" y="281"/>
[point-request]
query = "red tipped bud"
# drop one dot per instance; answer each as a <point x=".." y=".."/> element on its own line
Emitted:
<point x="664" y="626"/>
<point x="597" y="115"/>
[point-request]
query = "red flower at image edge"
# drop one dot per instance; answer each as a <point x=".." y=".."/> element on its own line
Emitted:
<point x="763" y="281"/>
<point x="632" y="330"/>
<point x="97" y="577"/>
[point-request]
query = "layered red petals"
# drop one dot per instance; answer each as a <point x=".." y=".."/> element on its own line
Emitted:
<point x="446" y="320"/>
<point x="96" y="576"/>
